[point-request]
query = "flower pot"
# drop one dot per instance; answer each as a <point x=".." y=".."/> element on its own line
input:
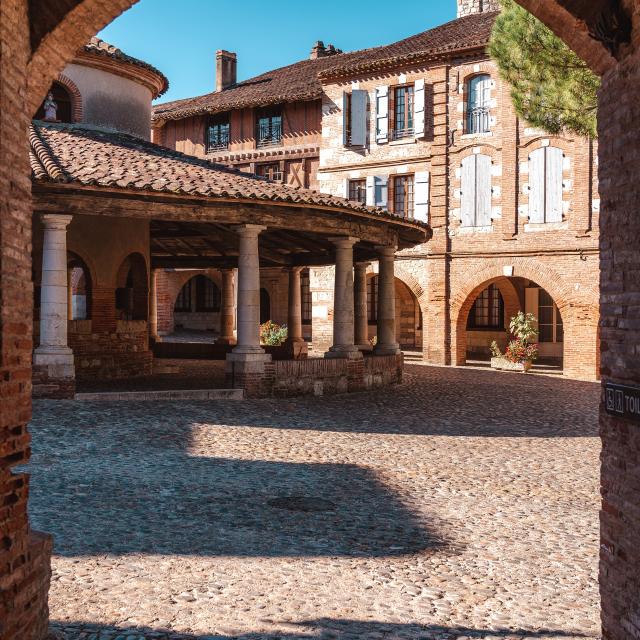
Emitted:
<point x="506" y="365"/>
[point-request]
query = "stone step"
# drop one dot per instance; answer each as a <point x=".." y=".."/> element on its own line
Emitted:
<point x="141" y="396"/>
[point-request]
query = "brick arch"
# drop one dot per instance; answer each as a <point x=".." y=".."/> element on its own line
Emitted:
<point x="60" y="36"/>
<point x="578" y="308"/>
<point x="419" y="293"/>
<point x="77" y="110"/>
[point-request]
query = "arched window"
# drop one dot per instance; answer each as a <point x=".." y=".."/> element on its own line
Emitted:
<point x="64" y="104"/>
<point x="545" y="185"/>
<point x="478" y="104"/>
<point x="199" y="294"/>
<point x="475" y="191"/>
<point x="133" y="288"/>
<point x="488" y="310"/>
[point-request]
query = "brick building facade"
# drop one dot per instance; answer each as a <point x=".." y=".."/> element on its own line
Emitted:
<point x="425" y="128"/>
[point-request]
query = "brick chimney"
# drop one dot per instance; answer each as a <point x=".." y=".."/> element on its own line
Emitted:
<point x="467" y="7"/>
<point x="226" y="69"/>
<point x="320" y="51"/>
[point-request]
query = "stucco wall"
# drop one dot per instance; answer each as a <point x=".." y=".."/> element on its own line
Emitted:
<point x="108" y="100"/>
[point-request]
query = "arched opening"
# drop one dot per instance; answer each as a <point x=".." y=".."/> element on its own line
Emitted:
<point x="487" y="313"/>
<point x="62" y="105"/>
<point x="197" y="306"/>
<point x="79" y="283"/>
<point x="132" y="290"/>
<point x="265" y="306"/>
<point x="408" y="313"/>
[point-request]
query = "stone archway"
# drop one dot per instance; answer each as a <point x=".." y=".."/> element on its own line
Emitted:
<point x="419" y="293"/>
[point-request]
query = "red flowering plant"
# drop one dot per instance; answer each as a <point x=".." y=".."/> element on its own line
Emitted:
<point x="522" y="347"/>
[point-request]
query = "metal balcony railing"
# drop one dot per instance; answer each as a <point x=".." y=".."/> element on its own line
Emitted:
<point x="399" y="134"/>
<point x="218" y="142"/>
<point x="269" y="135"/>
<point x="478" y="120"/>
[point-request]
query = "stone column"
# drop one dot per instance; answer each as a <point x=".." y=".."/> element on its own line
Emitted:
<point x="54" y="354"/>
<point x="360" y="307"/>
<point x="295" y="343"/>
<point x="227" y="315"/>
<point x="153" y="305"/>
<point x="69" y="294"/>
<point x="386" y="344"/>
<point x="249" y="291"/>
<point x="343" y="305"/>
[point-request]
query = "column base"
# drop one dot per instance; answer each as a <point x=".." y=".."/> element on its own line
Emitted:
<point x="367" y="348"/>
<point x="387" y="350"/>
<point x="226" y="340"/>
<point x="57" y="361"/>
<point x="296" y="349"/>
<point x="349" y="353"/>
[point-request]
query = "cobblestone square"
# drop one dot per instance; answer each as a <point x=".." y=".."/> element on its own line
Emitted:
<point x="462" y="504"/>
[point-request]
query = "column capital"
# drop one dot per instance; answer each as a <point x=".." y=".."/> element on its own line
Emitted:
<point x="55" y="220"/>
<point x="296" y="269"/>
<point x="344" y="242"/>
<point x="387" y="250"/>
<point x="362" y="264"/>
<point x="249" y="229"/>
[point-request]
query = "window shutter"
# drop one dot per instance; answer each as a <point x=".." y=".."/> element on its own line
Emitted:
<point x="359" y="118"/>
<point x="553" y="202"/>
<point x="537" y="186"/>
<point x="371" y="191"/>
<point x="345" y="116"/>
<point x="382" y="191"/>
<point x="421" y="195"/>
<point x="382" y="115"/>
<point x="345" y="188"/>
<point x="483" y="191"/>
<point x="468" y="191"/>
<point x="419" y="108"/>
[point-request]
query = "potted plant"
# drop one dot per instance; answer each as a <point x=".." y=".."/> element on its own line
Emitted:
<point x="272" y="334"/>
<point x="521" y="351"/>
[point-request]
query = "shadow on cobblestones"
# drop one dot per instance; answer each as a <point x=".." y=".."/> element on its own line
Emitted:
<point x="129" y="487"/>
<point x="324" y="629"/>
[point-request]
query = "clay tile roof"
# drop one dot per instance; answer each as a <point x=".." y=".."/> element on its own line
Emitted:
<point x="91" y="156"/>
<point x="301" y="81"/>
<point x="99" y="47"/>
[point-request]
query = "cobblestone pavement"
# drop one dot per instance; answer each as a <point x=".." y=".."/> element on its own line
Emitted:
<point x="462" y="504"/>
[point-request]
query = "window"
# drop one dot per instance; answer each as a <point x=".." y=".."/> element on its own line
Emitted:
<point x="403" y="112"/>
<point x="475" y="191"/>
<point x="545" y="185"/>
<point x="269" y="129"/>
<point x="488" y="310"/>
<point x="207" y="295"/>
<point x="218" y="133"/>
<point x="478" y="104"/>
<point x="271" y="171"/>
<point x="403" y="196"/>
<point x="358" y="191"/>
<point x="372" y="299"/>
<point x="307" y="303"/>
<point x="183" y="301"/>
<point x="63" y="104"/>
<point x="549" y="320"/>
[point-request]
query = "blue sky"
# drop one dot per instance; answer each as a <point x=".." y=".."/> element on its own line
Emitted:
<point x="180" y="37"/>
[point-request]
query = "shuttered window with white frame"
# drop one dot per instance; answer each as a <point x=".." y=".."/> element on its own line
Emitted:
<point x="419" y="104"/>
<point x="359" y="100"/>
<point x="475" y="191"/>
<point x="545" y="185"/>
<point x="421" y="196"/>
<point x="382" y="115"/>
<point x="381" y="191"/>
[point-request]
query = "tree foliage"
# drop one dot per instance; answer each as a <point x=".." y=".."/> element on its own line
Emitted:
<point x="552" y="88"/>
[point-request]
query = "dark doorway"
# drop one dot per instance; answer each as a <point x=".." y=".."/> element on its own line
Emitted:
<point x="265" y="306"/>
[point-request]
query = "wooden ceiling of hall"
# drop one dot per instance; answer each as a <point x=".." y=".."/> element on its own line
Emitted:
<point x="213" y="245"/>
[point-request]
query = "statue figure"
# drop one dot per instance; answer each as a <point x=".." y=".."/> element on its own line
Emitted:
<point x="50" y="108"/>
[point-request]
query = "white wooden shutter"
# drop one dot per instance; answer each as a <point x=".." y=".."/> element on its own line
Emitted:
<point x="382" y="115"/>
<point x="421" y="196"/>
<point x="553" y="183"/>
<point x="537" y="185"/>
<point x="371" y="191"/>
<point x="345" y="119"/>
<point x="419" y="108"/>
<point x="359" y="118"/>
<point x="382" y="191"/>
<point x="483" y="191"/>
<point x="468" y="191"/>
<point x="345" y="188"/>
